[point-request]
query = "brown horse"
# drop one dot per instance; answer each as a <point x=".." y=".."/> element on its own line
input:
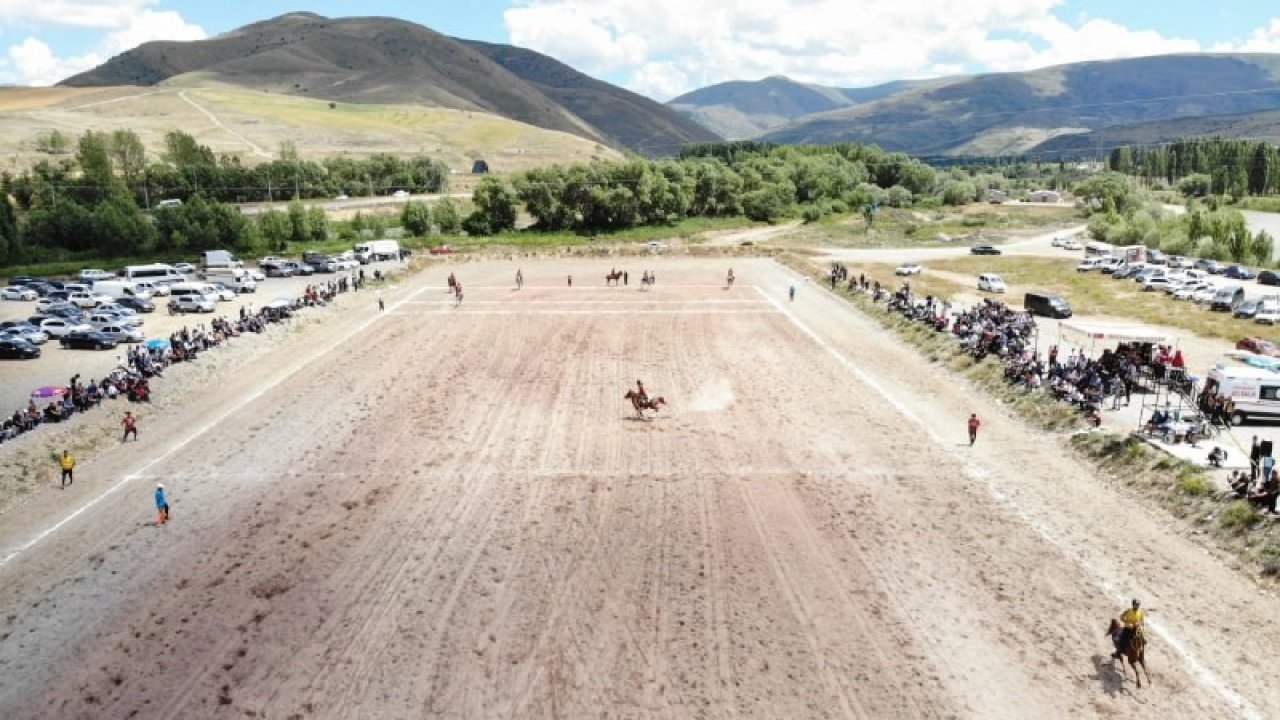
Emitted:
<point x="641" y="404"/>
<point x="1135" y="652"/>
<point x="612" y="278"/>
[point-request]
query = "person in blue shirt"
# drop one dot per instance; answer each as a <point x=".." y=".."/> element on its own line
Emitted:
<point x="162" y="505"/>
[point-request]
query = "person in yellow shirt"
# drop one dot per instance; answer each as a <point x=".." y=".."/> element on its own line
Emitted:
<point x="1134" y="619"/>
<point x="67" y="463"/>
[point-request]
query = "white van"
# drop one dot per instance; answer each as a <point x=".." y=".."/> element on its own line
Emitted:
<point x="155" y="273"/>
<point x="237" y="279"/>
<point x="990" y="282"/>
<point x="1254" y="391"/>
<point x="120" y="288"/>
<point x="202" y="289"/>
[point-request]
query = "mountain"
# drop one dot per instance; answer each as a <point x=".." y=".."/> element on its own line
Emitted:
<point x="376" y="60"/>
<point x="632" y="120"/>
<point x="1006" y="113"/>
<point x="743" y="109"/>
<point x="1261" y="125"/>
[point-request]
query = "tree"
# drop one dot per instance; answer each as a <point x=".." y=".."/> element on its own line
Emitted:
<point x="495" y="208"/>
<point x="317" y="224"/>
<point x="1197" y="185"/>
<point x="1108" y="191"/>
<point x="53" y="143"/>
<point x="94" y="158"/>
<point x="415" y="218"/>
<point x="276" y="229"/>
<point x="128" y="157"/>
<point x="448" y="219"/>
<point x="10" y="240"/>
<point x="1262" y="247"/>
<point x="299" y="227"/>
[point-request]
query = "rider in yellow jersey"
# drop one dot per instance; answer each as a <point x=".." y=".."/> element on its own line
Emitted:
<point x="1134" y="619"/>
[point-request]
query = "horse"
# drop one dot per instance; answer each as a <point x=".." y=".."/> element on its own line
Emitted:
<point x="612" y="278"/>
<point x="641" y="404"/>
<point x="1135" y="652"/>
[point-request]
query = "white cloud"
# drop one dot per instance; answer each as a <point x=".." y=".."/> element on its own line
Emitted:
<point x="664" y="47"/>
<point x="1263" y="40"/>
<point x="127" y="24"/>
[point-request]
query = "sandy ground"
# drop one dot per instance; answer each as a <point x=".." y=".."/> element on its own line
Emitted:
<point x="440" y="512"/>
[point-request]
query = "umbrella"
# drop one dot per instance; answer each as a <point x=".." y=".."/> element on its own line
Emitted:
<point x="48" y="391"/>
<point x="156" y="344"/>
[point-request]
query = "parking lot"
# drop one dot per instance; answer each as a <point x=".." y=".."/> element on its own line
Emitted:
<point x="57" y="365"/>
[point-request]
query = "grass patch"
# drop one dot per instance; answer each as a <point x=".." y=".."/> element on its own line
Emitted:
<point x="1240" y="516"/>
<point x="920" y="227"/>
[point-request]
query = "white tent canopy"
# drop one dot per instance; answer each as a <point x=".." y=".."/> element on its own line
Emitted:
<point x="1093" y="332"/>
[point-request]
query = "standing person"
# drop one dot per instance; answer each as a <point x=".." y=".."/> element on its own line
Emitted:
<point x="570" y="281"/>
<point x="1255" y="459"/>
<point x="792" y="292"/>
<point x="625" y="277"/>
<point x="162" y="505"/>
<point x="130" y="424"/>
<point x="519" y="279"/>
<point x="974" y="424"/>
<point x="381" y="306"/>
<point x="68" y="464"/>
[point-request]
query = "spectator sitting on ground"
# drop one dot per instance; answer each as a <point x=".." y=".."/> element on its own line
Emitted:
<point x="1217" y="456"/>
<point x="1268" y="493"/>
<point x="1240" y="483"/>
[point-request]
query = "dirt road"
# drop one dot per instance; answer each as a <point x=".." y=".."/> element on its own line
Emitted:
<point x="440" y="512"/>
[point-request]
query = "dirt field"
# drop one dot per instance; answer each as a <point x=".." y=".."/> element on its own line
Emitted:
<point x="440" y="512"/>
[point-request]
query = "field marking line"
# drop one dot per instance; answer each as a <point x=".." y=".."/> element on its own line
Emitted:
<point x="139" y="473"/>
<point x="463" y="310"/>
<point x="640" y="301"/>
<point x="977" y="472"/>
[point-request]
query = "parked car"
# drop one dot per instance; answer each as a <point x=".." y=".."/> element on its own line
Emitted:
<point x="1056" y="241"/>
<point x="24" y="280"/>
<point x="15" y="349"/>
<point x="186" y="268"/>
<point x="1268" y="277"/>
<point x="1147" y="273"/>
<point x="14" y="292"/>
<point x="1239" y="272"/>
<point x="1070" y="245"/>
<point x="156" y="289"/>
<point x="191" y="303"/>
<point x="1127" y="270"/>
<point x="1207" y="265"/>
<point x="976" y="250"/>
<point x="1110" y="264"/>
<point x="88" y="299"/>
<point x="1155" y="257"/>
<point x="1259" y="346"/>
<point x="1186" y="292"/>
<point x="1246" y="310"/>
<point x="1089" y="263"/>
<point x="1268" y="313"/>
<point x="1158" y="282"/>
<point x="908" y="269"/>
<point x="41" y="287"/>
<point x="255" y="274"/>
<point x="225" y="293"/>
<point x="58" y="327"/>
<point x="400" y="194"/>
<point x="87" y="340"/>
<point x="1177" y="261"/>
<point x="277" y="269"/>
<point x="122" y="333"/>
<point x="26" y="331"/>
<point x="136" y="304"/>
<point x="1205" y="296"/>
<point x="990" y="282"/>
<point x="100" y="319"/>
<point x="301" y="268"/>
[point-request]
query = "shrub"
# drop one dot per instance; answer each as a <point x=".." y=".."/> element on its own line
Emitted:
<point x="1194" y="484"/>
<point x="1240" y="516"/>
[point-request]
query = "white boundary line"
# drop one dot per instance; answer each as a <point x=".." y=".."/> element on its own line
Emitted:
<point x="464" y="310"/>
<point x="637" y="301"/>
<point x="139" y="473"/>
<point x="976" y="472"/>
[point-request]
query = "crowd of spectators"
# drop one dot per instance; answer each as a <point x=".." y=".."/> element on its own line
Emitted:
<point x="130" y="380"/>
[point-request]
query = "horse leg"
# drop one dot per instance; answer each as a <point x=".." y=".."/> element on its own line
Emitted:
<point x="1143" y="663"/>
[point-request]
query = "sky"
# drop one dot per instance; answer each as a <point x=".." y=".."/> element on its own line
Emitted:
<point x="662" y="48"/>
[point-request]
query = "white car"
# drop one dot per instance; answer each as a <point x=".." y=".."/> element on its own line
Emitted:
<point x="341" y="196"/>
<point x="1089" y="263"/>
<point x="57" y="327"/>
<point x="1204" y="295"/>
<point x="1109" y="264"/>
<point x="98" y="319"/>
<point x="1268" y="314"/>
<point x="1070" y="245"/>
<point x="88" y="299"/>
<point x="225" y="293"/>
<point x="122" y="333"/>
<point x="186" y="268"/>
<point x="156" y="289"/>
<point x="990" y="282"/>
<point x="1156" y="283"/>
<point x="1057" y="241"/>
<point x="1188" y="291"/>
<point x="13" y="292"/>
<point x="257" y="275"/>
<point x="908" y="269"/>
<point x="400" y="194"/>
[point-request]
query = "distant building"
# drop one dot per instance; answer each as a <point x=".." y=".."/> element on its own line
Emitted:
<point x="1044" y="196"/>
<point x="479" y="167"/>
<point x="996" y="196"/>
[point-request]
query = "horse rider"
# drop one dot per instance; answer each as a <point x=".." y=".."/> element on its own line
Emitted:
<point x="644" y="396"/>
<point x="1134" y="620"/>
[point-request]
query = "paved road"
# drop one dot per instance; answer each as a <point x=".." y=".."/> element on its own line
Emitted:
<point x="350" y="203"/>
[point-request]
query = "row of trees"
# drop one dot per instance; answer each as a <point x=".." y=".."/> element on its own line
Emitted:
<point x="1201" y="167"/>
<point x="1120" y="214"/>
